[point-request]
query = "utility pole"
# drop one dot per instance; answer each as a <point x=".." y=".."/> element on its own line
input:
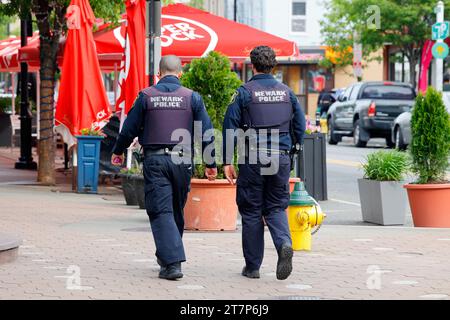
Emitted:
<point x="153" y="38"/>
<point x="440" y="62"/>
<point x="26" y="159"/>
<point x="235" y="11"/>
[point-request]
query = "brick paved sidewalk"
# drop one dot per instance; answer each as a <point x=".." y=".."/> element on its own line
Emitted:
<point x="110" y="246"/>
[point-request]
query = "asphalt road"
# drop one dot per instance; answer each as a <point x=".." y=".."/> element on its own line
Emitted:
<point x="343" y="171"/>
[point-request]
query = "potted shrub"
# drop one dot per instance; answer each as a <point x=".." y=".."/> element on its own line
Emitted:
<point x="429" y="196"/>
<point x="128" y="186"/>
<point x="383" y="200"/>
<point x="211" y="205"/>
<point x="137" y="178"/>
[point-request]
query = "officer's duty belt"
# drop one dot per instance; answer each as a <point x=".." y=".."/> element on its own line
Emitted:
<point x="164" y="151"/>
<point x="270" y="151"/>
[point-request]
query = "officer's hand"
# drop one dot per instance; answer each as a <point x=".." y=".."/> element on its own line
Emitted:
<point x="211" y="173"/>
<point x="117" y="160"/>
<point x="230" y="173"/>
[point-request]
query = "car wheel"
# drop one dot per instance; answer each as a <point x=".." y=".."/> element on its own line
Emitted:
<point x="331" y="136"/>
<point x="399" y="143"/>
<point x="390" y="143"/>
<point x="357" y="135"/>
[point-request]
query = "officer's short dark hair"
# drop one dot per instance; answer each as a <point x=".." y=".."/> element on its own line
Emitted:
<point x="263" y="59"/>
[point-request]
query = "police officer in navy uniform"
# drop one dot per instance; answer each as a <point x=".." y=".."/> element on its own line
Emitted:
<point x="158" y="112"/>
<point x="263" y="103"/>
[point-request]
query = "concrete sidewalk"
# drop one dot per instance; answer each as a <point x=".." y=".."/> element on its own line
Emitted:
<point x="95" y="247"/>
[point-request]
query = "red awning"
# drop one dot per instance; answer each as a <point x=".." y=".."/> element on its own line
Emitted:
<point x="188" y="33"/>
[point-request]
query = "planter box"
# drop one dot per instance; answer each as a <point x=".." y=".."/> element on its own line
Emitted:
<point x="312" y="165"/>
<point x="139" y="189"/>
<point x="88" y="163"/>
<point x="382" y="202"/>
<point x="128" y="190"/>
<point x="5" y="130"/>
<point x="211" y="206"/>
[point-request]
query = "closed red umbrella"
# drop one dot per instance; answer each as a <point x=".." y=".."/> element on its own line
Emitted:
<point x="132" y="77"/>
<point x="82" y="101"/>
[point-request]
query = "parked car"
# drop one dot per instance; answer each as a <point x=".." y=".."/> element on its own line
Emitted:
<point x="367" y="110"/>
<point x="401" y="127"/>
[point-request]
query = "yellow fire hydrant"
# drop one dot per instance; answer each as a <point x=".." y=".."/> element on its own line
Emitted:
<point x="304" y="213"/>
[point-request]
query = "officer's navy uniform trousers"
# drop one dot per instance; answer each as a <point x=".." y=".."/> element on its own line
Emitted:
<point x="166" y="182"/>
<point x="263" y="196"/>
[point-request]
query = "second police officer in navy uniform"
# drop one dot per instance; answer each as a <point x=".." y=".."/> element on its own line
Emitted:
<point x="158" y="112"/>
<point x="261" y="104"/>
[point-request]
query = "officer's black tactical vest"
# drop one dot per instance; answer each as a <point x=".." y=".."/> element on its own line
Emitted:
<point x="164" y="113"/>
<point x="270" y="107"/>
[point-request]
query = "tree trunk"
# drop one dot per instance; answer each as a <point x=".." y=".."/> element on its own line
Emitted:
<point x="49" y="20"/>
<point x="46" y="172"/>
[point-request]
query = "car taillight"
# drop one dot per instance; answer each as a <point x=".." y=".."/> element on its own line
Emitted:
<point x="372" y="110"/>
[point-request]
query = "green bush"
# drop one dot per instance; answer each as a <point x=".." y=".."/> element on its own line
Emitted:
<point x="212" y="77"/>
<point x="386" y="166"/>
<point x="5" y="105"/>
<point x="430" y="145"/>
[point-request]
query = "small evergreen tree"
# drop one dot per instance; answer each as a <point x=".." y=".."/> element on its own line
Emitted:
<point x="212" y="77"/>
<point x="430" y="145"/>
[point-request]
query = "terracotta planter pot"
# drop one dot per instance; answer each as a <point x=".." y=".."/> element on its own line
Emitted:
<point x="292" y="182"/>
<point x="430" y="204"/>
<point x="211" y="206"/>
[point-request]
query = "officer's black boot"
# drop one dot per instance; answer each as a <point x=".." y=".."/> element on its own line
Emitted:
<point x="284" y="264"/>
<point x="161" y="264"/>
<point x="252" y="274"/>
<point x="171" y="271"/>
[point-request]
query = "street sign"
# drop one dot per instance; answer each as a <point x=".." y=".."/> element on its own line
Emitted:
<point x="440" y="30"/>
<point x="357" y="60"/>
<point x="440" y="50"/>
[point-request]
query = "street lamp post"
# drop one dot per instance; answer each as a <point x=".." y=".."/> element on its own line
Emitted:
<point x="26" y="159"/>
<point x="153" y="38"/>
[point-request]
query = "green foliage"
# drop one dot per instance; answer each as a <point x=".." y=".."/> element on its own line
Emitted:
<point x="5" y="105"/>
<point x="212" y="77"/>
<point x="406" y="24"/>
<point x="196" y="4"/>
<point x="386" y="166"/>
<point x="91" y="132"/>
<point x="430" y="145"/>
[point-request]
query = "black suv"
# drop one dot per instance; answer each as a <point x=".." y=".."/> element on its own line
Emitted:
<point x="367" y="109"/>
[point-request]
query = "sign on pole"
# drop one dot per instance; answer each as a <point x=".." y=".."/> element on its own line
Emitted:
<point x="440" y="30"/>
<point x="357" y="60"/>
<point x="440" y="50"/>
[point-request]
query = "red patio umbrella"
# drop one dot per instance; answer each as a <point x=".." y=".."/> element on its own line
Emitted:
<point x="82" y="101"/>
<point x="191" y="33"/>
<point x="188" y="33"/>
<point x="9" y="49"/>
